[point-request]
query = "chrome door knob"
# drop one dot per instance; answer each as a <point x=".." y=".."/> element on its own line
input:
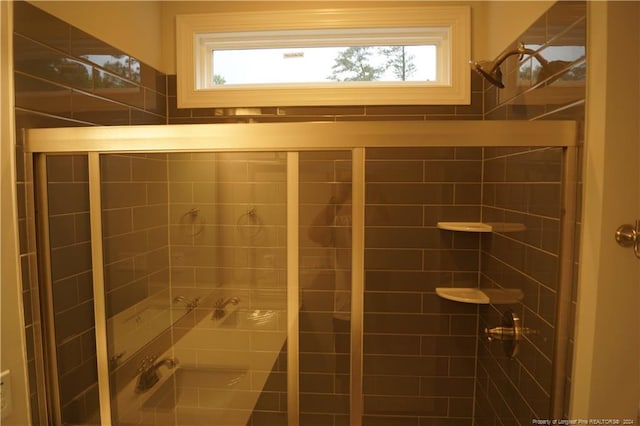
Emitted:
<point x="629" y="236"/>
<point x="626" y="235"/>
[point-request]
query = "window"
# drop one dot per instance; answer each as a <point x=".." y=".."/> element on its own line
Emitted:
<point x="391" y="56"/>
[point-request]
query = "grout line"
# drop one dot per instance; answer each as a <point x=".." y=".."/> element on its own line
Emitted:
<point x="562" y="108"/>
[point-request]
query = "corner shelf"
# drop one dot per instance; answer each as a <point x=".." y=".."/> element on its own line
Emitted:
<point x="482" y="227"/>
<point x="465" y="226"/>
<point x="464" y="295"/>
<point x="485" y="296"/>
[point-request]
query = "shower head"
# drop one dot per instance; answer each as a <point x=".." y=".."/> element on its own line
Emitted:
<point x="491" y="69"/>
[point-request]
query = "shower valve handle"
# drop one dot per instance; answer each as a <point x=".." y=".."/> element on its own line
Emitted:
<point x="510" y="333"/>
<point x="500" y="333"/>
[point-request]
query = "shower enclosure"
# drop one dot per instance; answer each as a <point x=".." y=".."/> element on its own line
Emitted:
<point x="215" y="274"/>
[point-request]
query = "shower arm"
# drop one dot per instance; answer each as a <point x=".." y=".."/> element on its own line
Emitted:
<point x="521" y="50"/>
<point x="491" y="69"/>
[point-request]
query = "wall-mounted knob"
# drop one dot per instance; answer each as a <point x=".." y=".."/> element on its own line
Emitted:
<point x="500" y="333"/>
<point x="509" y="333"/>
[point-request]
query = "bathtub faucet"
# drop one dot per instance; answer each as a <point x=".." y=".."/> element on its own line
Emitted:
<point x="218" y="312"/>
<point x="190" y="304"/>
<point x="149" y="372"/>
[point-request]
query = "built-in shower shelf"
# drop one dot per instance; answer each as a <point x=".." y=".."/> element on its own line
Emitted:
<point x="465" y="226"/>
<point x="464" y="295"/>
<point x="496" y="296"/>
<point x="482" y="227"/>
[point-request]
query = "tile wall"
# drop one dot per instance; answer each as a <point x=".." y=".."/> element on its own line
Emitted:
<point x="524" y="186"/>
<point x="227" y="218"/>
<point x="521" y="188"/>
<point x="177" y="115"/>
<point x="65" y="78"/>
<point x="135" y="195"/>
<point x="419" y="349"/>
<point x="70" y="251"/>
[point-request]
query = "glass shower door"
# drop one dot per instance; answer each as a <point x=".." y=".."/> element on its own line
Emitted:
<point x="195" y="258"/>
<point x="218" y="290"/>
<point x="66" y="305"/>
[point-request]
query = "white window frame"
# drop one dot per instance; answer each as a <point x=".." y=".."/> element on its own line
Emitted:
<point x="197" y="35"/>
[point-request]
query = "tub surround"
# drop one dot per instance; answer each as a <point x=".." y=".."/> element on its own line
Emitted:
<point x="526" y="187"/>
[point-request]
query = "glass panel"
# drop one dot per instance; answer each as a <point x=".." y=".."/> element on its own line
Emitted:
<point x="559" y="58"/>
<point x="195" y="259"/>
<point x="71" y="274"/>
<point x="352" y="31"/>
<point x="136" y="250"/>
<point x="324" y="64"/>
<point x="325" y="287"/>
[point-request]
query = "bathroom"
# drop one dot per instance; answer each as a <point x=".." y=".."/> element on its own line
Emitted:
<point x="425" y="360"/>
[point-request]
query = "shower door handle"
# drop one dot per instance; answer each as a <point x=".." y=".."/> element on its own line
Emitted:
<point x="629" y="236"/>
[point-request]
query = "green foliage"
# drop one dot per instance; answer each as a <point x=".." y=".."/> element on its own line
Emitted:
<point x="352" y="64"/>
<point x="124" y="66"/>
<point x="218" y="79"/>
<point x="400" y="61"/>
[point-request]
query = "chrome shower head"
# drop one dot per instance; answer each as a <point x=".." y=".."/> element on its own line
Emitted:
<point x="490" y="71"/>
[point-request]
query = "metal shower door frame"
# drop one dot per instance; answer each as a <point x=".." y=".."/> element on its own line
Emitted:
<point x="355" y="137"/>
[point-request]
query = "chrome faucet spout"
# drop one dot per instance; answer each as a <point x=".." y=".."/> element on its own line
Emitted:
<point x="218" y="311"/>
<point x="190" y="304"/>
<point x="149" y="375"/>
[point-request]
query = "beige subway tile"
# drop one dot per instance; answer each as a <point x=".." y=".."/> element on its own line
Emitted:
<point x="68" y="198"/>
<point x="60" y="168"/>
<point x="157" y="260"/>
<point x="149" y="216"/>
<point x="206" y="192"/>
<point x="181" y="235"/>
<point x="157" y="193"/>
<point x="232" y="171"/>
<point x="118" y="195"/>
<point x="181" y="192"/>
<point x="70" y="260"/>
<point x="119" y="273"/>
<point x="149" y="169"/>
<point x="158" y="237"/>
<point x="116" y="221"/>
<point x="182" y="276"/>
<point x="191" y="171"/>
<point x="126" y="245"/>
<point x="61" y="230"/>
<point x="267" y="171"/>
<point x="115" y="168"/>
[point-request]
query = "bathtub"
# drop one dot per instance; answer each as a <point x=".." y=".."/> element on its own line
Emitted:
<point x="222" y="366"/>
